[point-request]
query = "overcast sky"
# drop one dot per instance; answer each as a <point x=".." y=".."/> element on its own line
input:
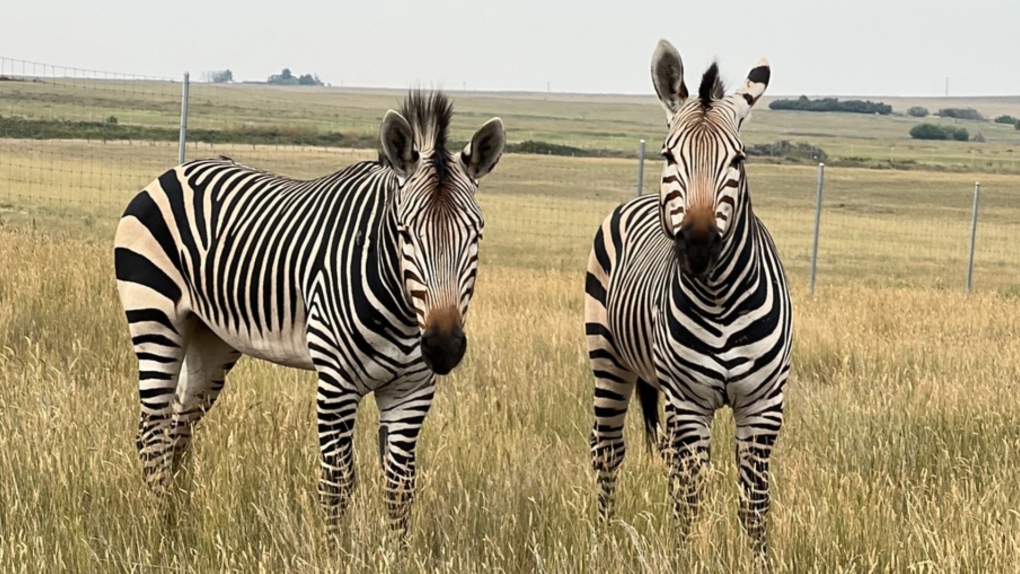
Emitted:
<point x="862" y="47"/>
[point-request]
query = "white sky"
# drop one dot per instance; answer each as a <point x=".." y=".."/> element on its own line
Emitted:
<point x="862" y="47"/>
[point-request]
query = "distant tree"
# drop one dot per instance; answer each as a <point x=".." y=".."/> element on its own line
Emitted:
<point x="284" y="78"/>
<point x="917" y="111"/>
<point x="928" y="132"/>
<point x="221" y="77"/>
<point x="958" y="134"/>
<point x="1017" y="125"/>
<point x="979" y="138"/>
<point x="960" y="113"/>
<point x="287" y="78"/>
<point x="1005" y="119"/>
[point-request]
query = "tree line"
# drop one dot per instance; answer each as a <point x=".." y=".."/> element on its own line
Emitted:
<point x="806" y="104"/>
<point x="284" y="78"/>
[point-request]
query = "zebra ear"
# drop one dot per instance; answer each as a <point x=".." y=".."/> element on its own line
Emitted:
<point x="483" y="152"/>
<point x="668" y="77"/>
<point x="753" y="87"/>
<point x="398" y="143"/>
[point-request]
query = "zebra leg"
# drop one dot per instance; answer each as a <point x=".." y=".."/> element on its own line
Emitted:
<point x="613" y="388"/>
<point x="336" y="407"/>
<point x="402" y="411"/>
<point x="206" y="363"/>
<point x="159" y="345"/>
<point x="758" y="428"/>
<point x="686" y="450"/>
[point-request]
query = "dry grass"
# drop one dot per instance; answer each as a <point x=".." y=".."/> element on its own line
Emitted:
<point x="899" y="453"/>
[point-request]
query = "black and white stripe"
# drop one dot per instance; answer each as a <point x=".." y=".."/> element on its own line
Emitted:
<point x="363" y="275"/>
<point x="686" y="295"/>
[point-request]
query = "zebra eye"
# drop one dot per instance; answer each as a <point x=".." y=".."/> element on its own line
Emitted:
<point x="669" y="157"/>
<point x="739" y="159"/>
<point x="405" y="232"/>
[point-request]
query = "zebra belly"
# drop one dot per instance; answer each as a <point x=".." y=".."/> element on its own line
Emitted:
<point x="633" y="313"/>
<point x="289" y="349"/>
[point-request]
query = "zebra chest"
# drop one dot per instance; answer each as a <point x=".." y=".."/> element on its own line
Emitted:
<point x="704" y="353"/>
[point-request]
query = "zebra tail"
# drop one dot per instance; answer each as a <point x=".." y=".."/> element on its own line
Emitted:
<point x="648" y="396"/>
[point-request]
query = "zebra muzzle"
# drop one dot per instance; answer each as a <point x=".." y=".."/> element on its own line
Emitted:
<point x="442" y="349"/>
<point x="697" y="249"/>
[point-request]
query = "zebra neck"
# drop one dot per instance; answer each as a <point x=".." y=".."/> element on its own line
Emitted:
<point x="738" y="269"/>
<point x="388" y="257"/>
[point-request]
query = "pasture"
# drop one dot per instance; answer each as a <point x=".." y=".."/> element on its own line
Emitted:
<point x="898" y="454"/>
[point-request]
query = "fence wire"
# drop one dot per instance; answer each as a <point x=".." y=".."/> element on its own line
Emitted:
<point x="81" y="143"/>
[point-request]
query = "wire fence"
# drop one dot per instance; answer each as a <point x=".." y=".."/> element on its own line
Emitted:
<point x="80" y="143"/>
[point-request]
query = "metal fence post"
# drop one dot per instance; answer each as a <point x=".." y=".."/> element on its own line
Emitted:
<point x="640" y="167"/>
<point x="818" y="221"/>
<point x="183" y="141"/>
<point x="973" y="235"/>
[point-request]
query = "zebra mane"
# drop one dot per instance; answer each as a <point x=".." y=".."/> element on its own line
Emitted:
<point x="429" y="114"/>
<point x="711" y="86"/>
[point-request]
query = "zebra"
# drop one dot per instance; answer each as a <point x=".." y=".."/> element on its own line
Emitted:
<point x="685" y="295"/>
<point x="363" y="276"/>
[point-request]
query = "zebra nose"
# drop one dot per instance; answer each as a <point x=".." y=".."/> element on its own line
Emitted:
<point x="697" y="247"/>
<point x="442" y="349"/>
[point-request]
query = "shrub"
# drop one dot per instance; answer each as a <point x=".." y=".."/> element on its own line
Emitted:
<point x="806" y="104"/>
<point x="958" y="134"/>
<point x="928" y="132"/>
<point x="545" y="148"/>
<point x="785" y="149"/>
<point x="934" y="132"/>
<point x="917" y="111"/>
<point x="59" y="129"/>
<point x="961" y="113"/>
<point x="1006" y="119"/>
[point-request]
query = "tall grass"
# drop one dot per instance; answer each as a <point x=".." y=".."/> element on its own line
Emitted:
<point x="898" y="455"/>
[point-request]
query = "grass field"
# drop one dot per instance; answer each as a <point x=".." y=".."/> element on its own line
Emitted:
<point x="585" y="121"/>
<point x="899" y="452"/>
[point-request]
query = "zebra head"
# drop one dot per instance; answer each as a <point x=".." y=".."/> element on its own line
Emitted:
<point x="438" y="219"/>
<point x="703" y="178"/>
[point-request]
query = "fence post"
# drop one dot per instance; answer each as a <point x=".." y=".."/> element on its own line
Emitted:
<point x="183" y="141"/>
<point x="973" y="235"/>
<point x="818" y="221"/>
<point x="640" y="167"/>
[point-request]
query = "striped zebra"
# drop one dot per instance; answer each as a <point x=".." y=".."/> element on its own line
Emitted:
<point x="685" y="294"/>
<point x="363" y="276"/>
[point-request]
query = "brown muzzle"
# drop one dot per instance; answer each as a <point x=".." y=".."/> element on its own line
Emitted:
<point x="443" y="342"/>
<point x="698" y="244"/>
